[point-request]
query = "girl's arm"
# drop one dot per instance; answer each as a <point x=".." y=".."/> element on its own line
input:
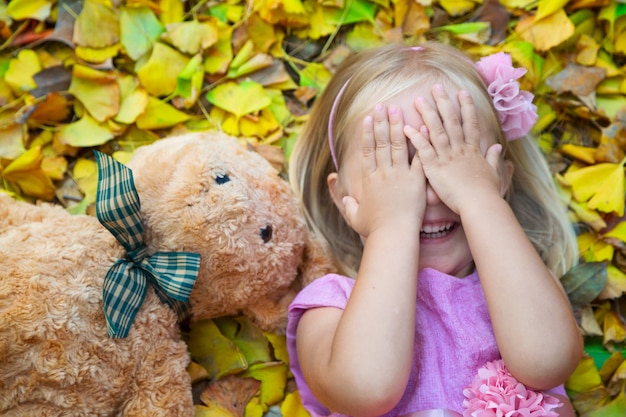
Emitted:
<point x="532" y="319"/>
<point x="358" y="361"/>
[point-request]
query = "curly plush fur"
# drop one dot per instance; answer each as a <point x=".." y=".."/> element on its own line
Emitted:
<point x="256" y="253"/>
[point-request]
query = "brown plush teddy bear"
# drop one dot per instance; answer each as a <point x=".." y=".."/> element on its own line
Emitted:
<point x="200" y="193"/>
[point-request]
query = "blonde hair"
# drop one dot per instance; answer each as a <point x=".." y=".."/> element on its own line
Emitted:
<point x="383" y="73"/>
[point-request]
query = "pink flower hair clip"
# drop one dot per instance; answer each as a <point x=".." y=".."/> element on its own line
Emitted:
<point x="515" y="106"/>
<point x="494" y="392"/>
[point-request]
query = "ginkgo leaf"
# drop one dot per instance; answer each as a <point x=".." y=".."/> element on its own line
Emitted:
<point x="20" y="72"/>
<point x="239" y="99"/>
<point x="601" y="184"/>
<point x="292" y="406"/>
<point x="97" y="55"/>
<point x="96" y="14"/>
<point x="85" y="132"/>
<point x="215" y="352"/>
<point x="457" y="7"/>
<point x="97" y="90"/>
<point x="29" y="9"/>
<point x="159" y="115"/>
<point x="85" y="174"/>
<point x="547" y="7"/>
<point x="582" y="153"/>
<point x="614" y="328"/>
<point x="546" y="33"/>
<point x="584" y="282"/>
<point x="192" y="37"/>
<point x="585" y="377"/>
<point x="139" y="29"/>
<point x="287" y="12"/>
<point x="219" y="56"/>
<point x="212" y="410"/>
<point x="26" y="174"/>
<point x="615" y="285"/>
<point x="11" y="141"/>
<point x="189" y="81"/>
<point x="594" y="249"/>
<point x="353" y="12"/>
<point x="248" y="338"/>
<point x="160" y="72"/>
<point x="273" y="377"/>
<point x="171" y="11"/>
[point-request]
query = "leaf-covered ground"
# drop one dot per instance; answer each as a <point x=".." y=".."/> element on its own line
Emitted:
<point x="114" y="75"/>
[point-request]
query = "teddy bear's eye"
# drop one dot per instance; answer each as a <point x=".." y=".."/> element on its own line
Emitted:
<point x="222" y="179"/>
<point x="266" y="233"/>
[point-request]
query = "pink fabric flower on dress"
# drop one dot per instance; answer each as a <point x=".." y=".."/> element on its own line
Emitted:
<point x="496" y="393"/>
<point x="515" y="107"/>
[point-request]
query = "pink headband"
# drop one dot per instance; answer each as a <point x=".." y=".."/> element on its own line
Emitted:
<point x="514" y="106"/>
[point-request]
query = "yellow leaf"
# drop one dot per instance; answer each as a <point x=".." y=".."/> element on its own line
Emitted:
<point x="585" y="377"/>
<point x="219" y="55"/>
<point x="98" y="91"/>
<point x="85" y="133"/>
<point x="86" y="176"/>
<point x="159" y="74"/>
<point x="29" y="9"/>
<point x="292" y="406"/>
<point x="192" y="37"/>
<point x="546" y="33"/>
<point x="590" y="217"/>
<point x="248" y="338"/>
<point x="259" y="126"/>
<point x="279" y="345"/>
<point x="172" y="11"/>
<point x="96" y="14"/>
<point x="159" y="115"/>
<point x="614" y="329"/>
<point x="19" y="75"/>
<point x="457" y="7"/>
<point x="212" y="410"/>
<point x="615" y="285"/>
<point x="273" y="377"/>
<point x="582" y="153"/>
<point x="547" y="7"/>
<point x="54" y="167"/>
<point x="216" y="353"/>
<point x="26" y="174"/>
<point x="196" y="372"/>
<point x="97" y="55"/>
<point x="593" y="249"/>
<point x="601" y="184"/>
<point x="133" y="105"/>
<point x="239" y="99"/>
<point x="254" y="408"/>
<point x="282" y="12"/>
<point x="11" y="141"/>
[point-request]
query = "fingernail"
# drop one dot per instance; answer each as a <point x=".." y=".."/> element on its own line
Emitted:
<point x="378" y="107"/>
<point x="464" y="93"/>
<point x="420" y="100"/>
<point x="393" y="110"/>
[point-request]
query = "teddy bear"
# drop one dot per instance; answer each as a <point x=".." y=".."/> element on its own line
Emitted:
<point x="203" y="196"/>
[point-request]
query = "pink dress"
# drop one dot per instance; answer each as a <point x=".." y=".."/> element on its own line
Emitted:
<point x="453" y="338"/>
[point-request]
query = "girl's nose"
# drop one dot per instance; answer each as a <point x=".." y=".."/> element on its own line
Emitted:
<point x="432" y="199"/>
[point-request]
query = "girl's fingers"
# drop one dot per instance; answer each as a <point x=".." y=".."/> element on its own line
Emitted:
<point x="449" y="115"/>
<point x="471" y="130"/>
<point x="368" y="146"/>
<point x="399" y="148"/>
<point x="436" y="131"/>
<point x="381" y="136"/>
<point x="419" y="139"/>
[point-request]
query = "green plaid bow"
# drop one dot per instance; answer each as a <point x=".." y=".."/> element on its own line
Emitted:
<point x="172" y="274"/>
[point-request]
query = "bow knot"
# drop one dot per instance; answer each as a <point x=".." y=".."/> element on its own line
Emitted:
<point x="171" y="274"/>
<point x="137" y="256"/>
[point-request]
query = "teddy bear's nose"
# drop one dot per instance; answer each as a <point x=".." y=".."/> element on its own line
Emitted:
<point x="266" y="233"/>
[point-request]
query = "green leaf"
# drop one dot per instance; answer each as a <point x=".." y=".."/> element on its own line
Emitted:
<point x="354" y="11"/>
<point x="140" y="28"/>
<point x="584" y="282"/>
<point x="215" y="352"/>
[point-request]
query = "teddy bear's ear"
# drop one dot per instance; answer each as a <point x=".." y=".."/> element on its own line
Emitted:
<point x="316" y="262"/>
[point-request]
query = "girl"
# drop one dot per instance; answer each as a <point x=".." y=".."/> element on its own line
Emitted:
<point x="455" y="236"/>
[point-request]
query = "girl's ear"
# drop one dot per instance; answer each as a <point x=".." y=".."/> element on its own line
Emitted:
<point x="506" y="176"/>
<point x="336" y="192"/>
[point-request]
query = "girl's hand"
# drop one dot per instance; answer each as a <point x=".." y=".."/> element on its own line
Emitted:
<point x="393" y="188"/>
<point x="449" y="151"/>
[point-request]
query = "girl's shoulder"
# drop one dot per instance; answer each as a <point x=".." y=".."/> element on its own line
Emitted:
<point x="331" y="290"/>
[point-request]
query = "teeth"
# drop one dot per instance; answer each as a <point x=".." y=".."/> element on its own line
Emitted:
<point x="435" y="231"/>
